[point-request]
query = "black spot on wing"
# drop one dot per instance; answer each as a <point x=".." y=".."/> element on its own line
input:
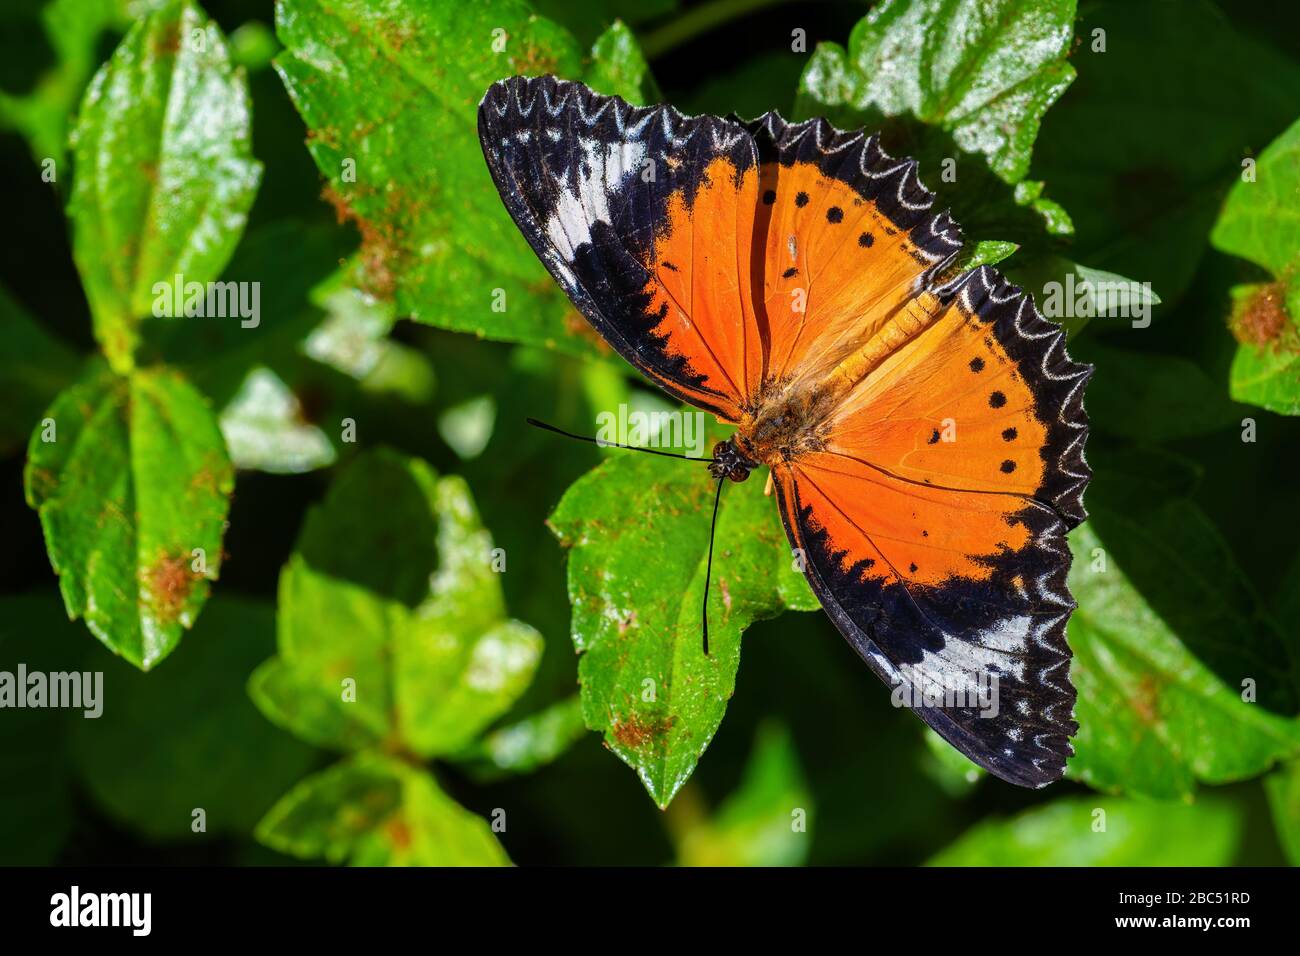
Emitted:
<point x="857" y="160"/>
<point x="1038" y="349"/>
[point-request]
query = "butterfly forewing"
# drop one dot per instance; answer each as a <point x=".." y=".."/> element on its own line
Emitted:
<point x="847" y="235"/>
<point x="645" y="218"/>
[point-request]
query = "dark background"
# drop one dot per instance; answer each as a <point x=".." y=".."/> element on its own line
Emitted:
<point x="876" y="799"/>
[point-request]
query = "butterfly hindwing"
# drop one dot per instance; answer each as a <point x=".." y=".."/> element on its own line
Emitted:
<point x="645" y="218"/>
<point x="933" y="523"/>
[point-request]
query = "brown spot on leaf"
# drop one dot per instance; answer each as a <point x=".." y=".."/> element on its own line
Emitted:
<point x="1261" y="320"/>
<point x="379" y="245"/>
<point x="1146" y="700"/>
<point x="168" y="584"/>
<point x="168" y="42"/>
<point x="327" y="135"/>
<point x="533" y="60"/>
<point x="636" y="733"/>
<point x="399" y="834"/>
<point x="209" y="479"/>
<point x="397" y="34"/>
<point x="43" y="483"/>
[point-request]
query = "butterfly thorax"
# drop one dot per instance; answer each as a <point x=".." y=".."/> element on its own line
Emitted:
<point x="786" y="422"/>
<point x="791" y="419"/>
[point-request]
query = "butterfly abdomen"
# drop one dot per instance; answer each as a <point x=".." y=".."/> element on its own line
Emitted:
<point x="915" y="316"/>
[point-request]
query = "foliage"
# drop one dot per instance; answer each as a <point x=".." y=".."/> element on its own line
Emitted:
<point x="133" y="497"/>
<point x="1081" y="831"/>
<point x="765" y="821"/>
<point x="1259" y="223"/>
<point x="169" y="105"/>
<point x="354" y="688"/>
<point x="393" y="643"/>
<point x="638" y="536"/>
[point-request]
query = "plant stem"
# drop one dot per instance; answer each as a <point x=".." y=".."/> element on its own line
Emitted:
<point x="698" y="20"/>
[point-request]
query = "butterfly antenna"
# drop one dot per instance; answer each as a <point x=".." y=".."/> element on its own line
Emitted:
<point x="611" y="444"/>
<point x="708" y="568"/>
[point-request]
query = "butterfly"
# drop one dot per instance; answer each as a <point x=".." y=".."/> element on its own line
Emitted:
<point x="924" y="433"/>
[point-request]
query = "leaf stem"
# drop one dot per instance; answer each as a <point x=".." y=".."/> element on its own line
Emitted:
<point x="696" y="21"/>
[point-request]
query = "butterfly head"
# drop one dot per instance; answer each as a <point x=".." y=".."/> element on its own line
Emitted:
<point x="729" y="462"/>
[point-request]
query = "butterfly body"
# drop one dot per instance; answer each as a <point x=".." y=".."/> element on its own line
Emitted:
<point x="924" y="432"/>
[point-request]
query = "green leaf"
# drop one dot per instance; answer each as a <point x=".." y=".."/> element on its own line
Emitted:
<point x="984" y="70"/>
<point x="264" y="428"/>
<point x="375" y="811"/>
<point x="333" y="636"/>
<point x="1153" y="720"/>
<point x="619" y="67"/>
<point x="525" y="745"/>
<point x="378" y="528"/>
<point x="467" y="426"/>
<point x="132" y="484"/>
<point x="33" y="369"/>
<point x="1283" y="789"/>
<point x="1090" y="831"/>
<point x="290" y="697"/>
<point x="73" y="29"/>
<point x="1260" y="222"/>
<point x="1184" y="570"/>
<point x="1267" y="378"/>
<point x="392" y="625"/>
<point x="452" y="689"/>
<point x="394" y="92"/>
<point x="1130" y="152"/>
<point x="987" y="252"/>
<point x="637" y="530"/>
<point x="354" y="339"/>
<point x="1074" y="294"/>
<point x="943" y="81"/>
<point x="152" y="758"/>
<point x="765" y="822"/>
<point x="164" y="173"/>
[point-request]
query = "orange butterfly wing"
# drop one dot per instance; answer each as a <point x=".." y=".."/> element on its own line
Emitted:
<point x="933" y="524"/>
<point x="645" y="217"/>
<point x="736" y="262"/>
<point x="847" y="235"/>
